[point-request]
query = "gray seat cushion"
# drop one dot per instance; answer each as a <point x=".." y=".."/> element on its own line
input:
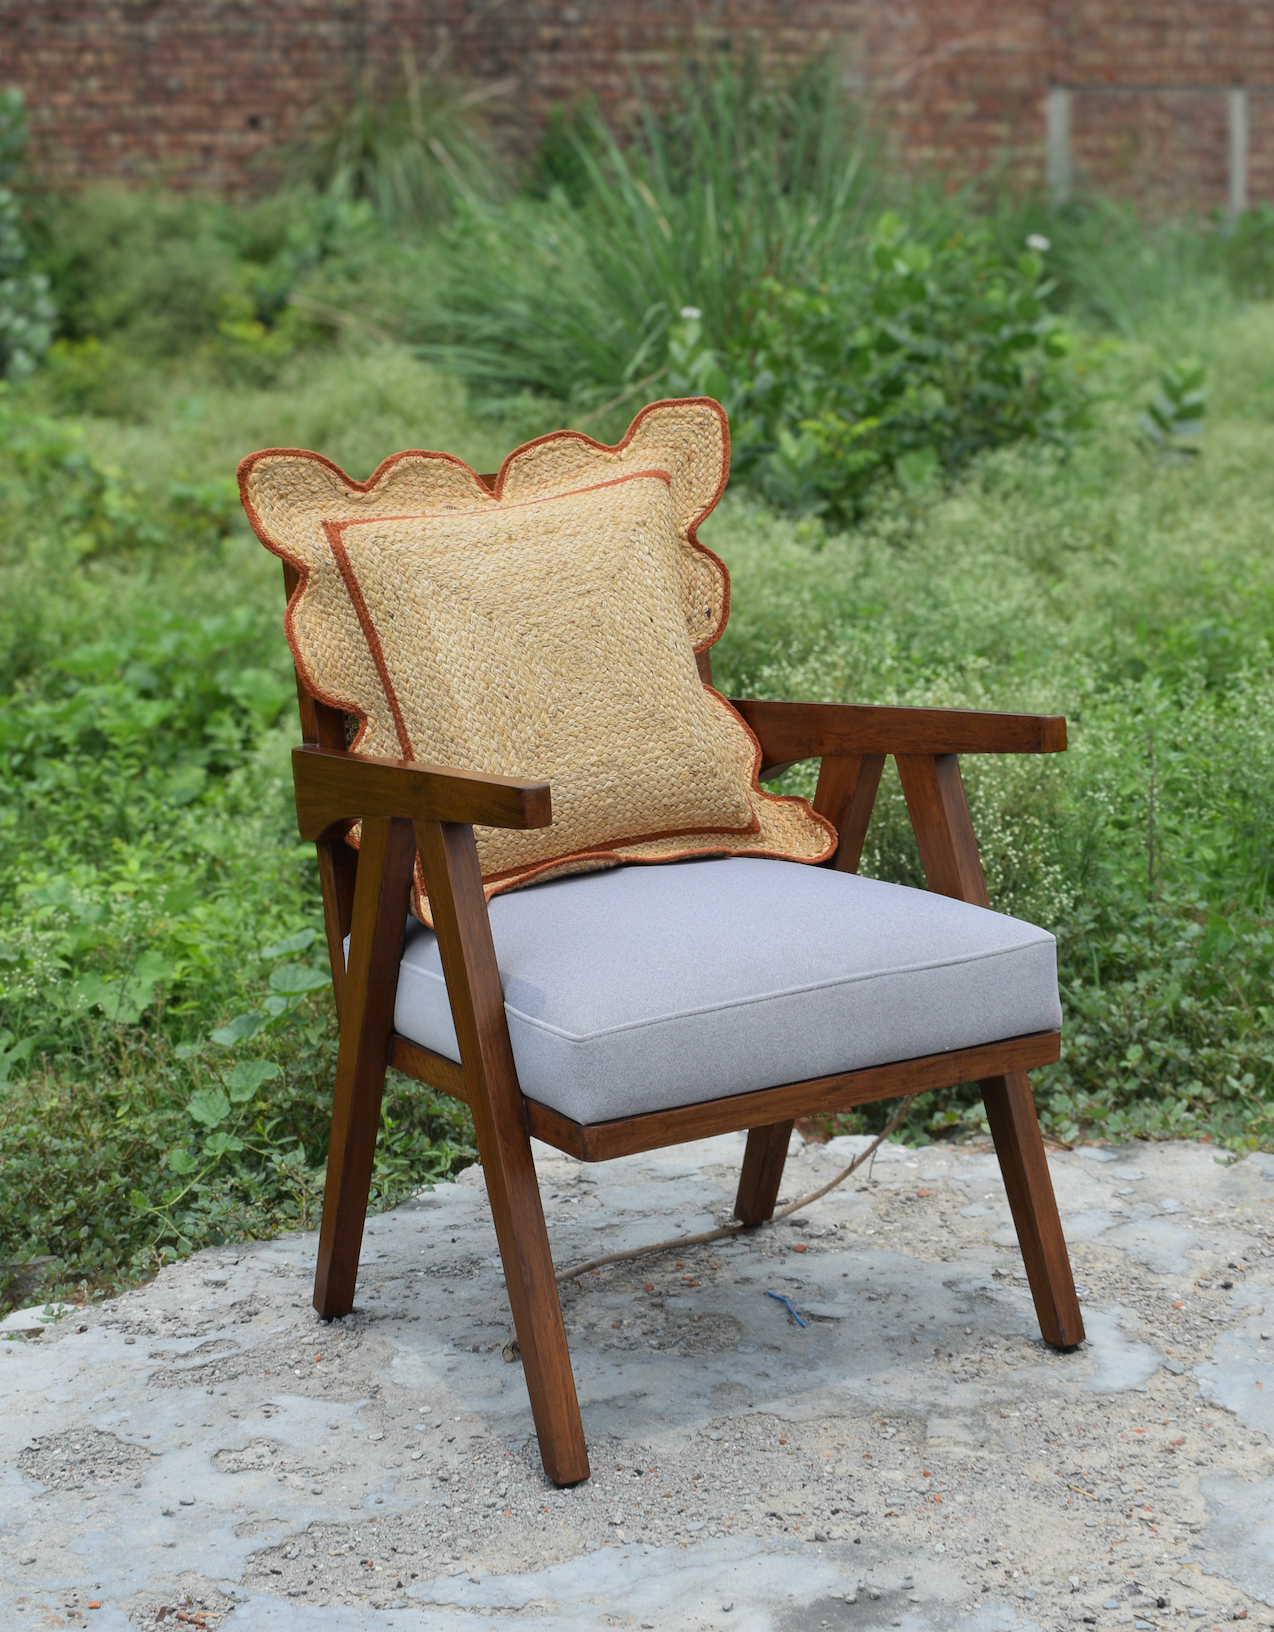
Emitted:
<point x="638" y="988"/>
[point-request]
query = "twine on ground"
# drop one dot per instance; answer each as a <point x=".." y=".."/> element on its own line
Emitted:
<point x="676" y="1242"/>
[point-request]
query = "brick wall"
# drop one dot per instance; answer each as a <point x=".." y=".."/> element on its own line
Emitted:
<point x="198" y="92"/>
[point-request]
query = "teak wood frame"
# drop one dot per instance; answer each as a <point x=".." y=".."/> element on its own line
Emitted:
<point x="407" y="807"/>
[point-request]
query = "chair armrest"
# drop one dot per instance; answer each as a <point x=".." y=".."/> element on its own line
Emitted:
<point x="334" y="786"/>
<point x="789" y="732"/>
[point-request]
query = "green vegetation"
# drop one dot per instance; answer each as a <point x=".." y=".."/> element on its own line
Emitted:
<point x="970" y="470"/>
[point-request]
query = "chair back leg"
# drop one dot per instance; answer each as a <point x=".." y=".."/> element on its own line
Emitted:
<point x="386" y="856"/>
<point x="762" y="1172"/>
<point x="1010" y="1111"/>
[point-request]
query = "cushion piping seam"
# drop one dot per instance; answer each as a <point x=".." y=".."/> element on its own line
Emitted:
<point x="743" y="1002"/>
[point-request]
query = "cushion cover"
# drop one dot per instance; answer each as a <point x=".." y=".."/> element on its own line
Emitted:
<point x="541" y="630"/>
<point x="642" y="988"/>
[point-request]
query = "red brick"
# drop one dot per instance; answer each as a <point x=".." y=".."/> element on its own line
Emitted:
<point x="166" y="88"/>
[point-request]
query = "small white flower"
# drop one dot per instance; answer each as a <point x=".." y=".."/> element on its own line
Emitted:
<point x="691" y="313"/>
<point x="1038" y="242"/>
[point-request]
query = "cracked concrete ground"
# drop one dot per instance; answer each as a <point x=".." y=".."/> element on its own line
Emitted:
<point x="205" y="1452"/>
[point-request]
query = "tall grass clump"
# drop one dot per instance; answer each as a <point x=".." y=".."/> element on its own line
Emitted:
<point x="409" y="154"/>
<point x="574" y="295"/>
<point x="738" y="245"/>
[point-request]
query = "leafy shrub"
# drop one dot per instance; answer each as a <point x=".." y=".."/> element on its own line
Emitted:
<point x="144" y="277"/>
<point x="732" y="249"/>
<point x="1172" y="421"/>
<point x="140" y="1150"/>
<point x="932" y="353"/>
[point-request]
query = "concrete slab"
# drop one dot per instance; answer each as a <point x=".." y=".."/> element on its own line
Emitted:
<point x="912" y="1457"/>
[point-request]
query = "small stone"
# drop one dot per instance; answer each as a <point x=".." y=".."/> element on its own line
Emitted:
<point x="727" y="1608"/>
<point x="186" y="1501"/>
<point x="29" y="1559"/>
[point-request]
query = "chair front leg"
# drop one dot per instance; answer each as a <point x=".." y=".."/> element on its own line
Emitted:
<point x="949" y="851"/>
<point x="454" y="881"/>
<point x="1010" y="1111"/>
<point x="386" y="856"/>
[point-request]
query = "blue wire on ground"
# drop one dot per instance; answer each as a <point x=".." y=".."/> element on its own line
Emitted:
<point x="779" y="1298"/>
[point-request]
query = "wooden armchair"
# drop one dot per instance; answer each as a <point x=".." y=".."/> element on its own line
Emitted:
<point x="405" y="807"/>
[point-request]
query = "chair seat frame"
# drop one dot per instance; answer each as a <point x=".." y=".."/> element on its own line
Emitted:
<point x="407" y="808"/>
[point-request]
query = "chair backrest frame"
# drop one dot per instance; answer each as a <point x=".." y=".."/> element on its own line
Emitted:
<point x="324" y="726"/>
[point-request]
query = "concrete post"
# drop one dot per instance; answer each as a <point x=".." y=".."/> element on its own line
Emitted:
<point x="1237" y="109"/>
<point x="1057" y="143"/>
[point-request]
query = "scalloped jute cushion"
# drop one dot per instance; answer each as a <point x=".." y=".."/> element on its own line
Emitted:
<point x="546" y="627"/>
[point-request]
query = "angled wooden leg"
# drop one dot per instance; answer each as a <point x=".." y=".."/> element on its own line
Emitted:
<point x="1010" y="1110"/>
<point x="845" y="794"/>
<point x="949" y="851"/>
<point x="454" y="882"/>
<point x="762" y="1172"/>
<point x="377" y="929"/>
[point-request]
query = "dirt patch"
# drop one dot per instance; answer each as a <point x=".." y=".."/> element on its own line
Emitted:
<point x="83" y="1459"/>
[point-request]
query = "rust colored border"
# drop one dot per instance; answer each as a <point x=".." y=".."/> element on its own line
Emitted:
<point x="333" y="530"/>
<point x="618" y="447"/>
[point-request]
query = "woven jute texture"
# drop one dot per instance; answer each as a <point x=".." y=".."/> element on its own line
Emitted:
<point x="547" y="629"/>
<point x="289" y="493"/>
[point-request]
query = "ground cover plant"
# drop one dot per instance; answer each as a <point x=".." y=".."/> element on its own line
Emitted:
<point x="971" y="469"/>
